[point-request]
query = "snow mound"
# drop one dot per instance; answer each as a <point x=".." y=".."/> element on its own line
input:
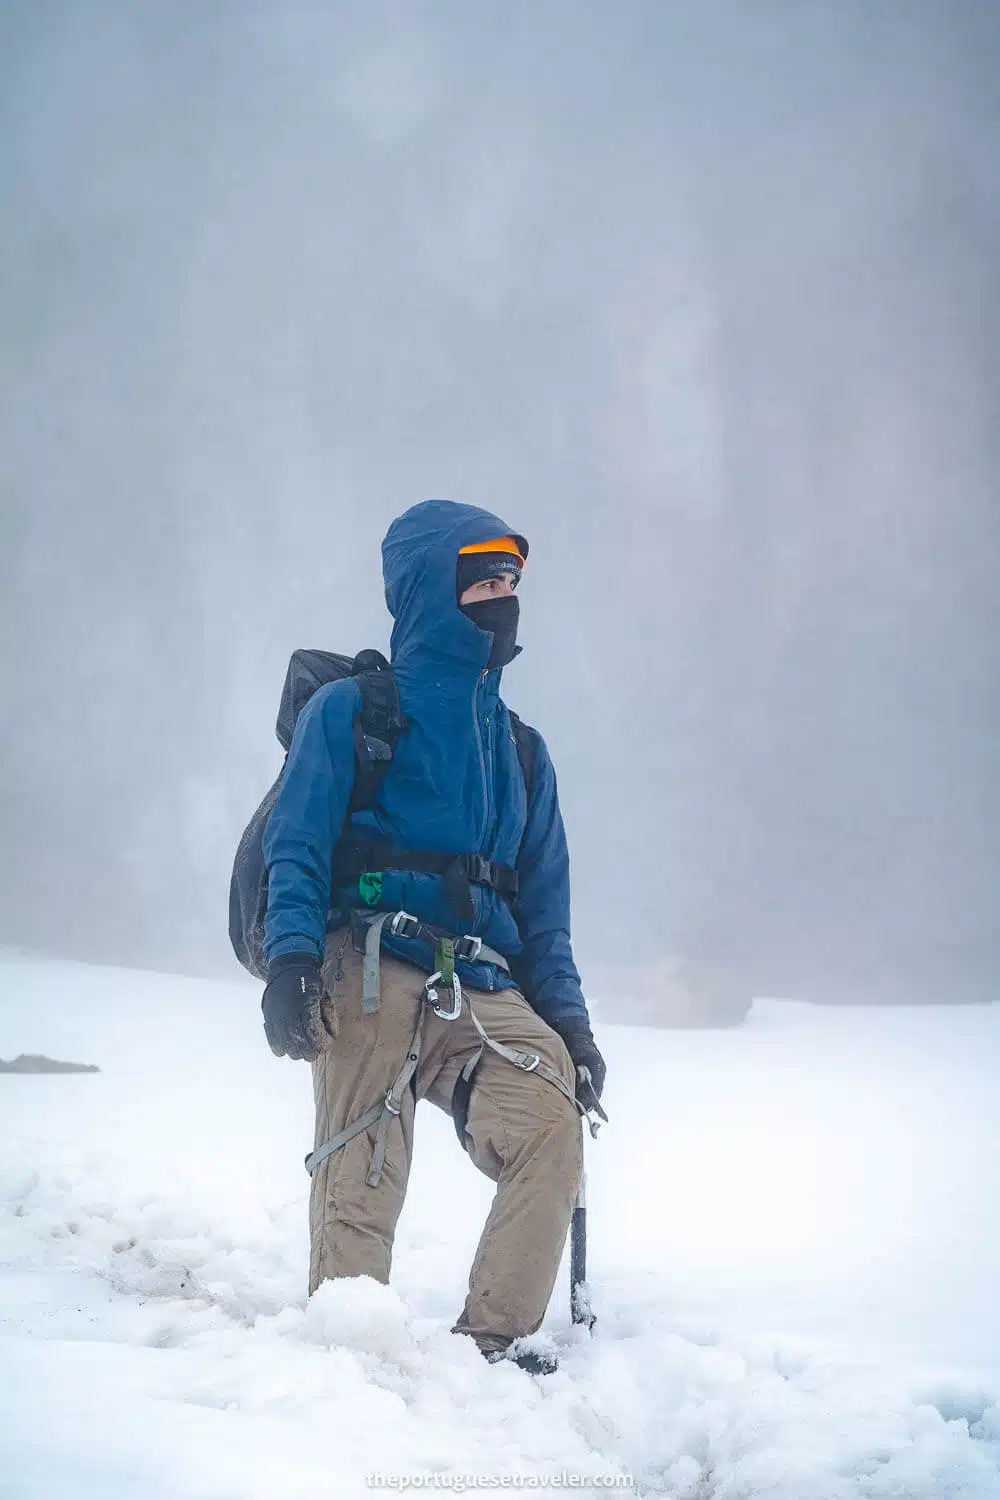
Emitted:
<point x="360" y="1314"/>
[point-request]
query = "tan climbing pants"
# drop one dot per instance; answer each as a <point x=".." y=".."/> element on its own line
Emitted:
<point x="522" y="1132"/>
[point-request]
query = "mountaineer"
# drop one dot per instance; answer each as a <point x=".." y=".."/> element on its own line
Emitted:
<point x="416" y="941"/>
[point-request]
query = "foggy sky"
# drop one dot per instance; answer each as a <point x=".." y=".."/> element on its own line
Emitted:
<point x="704" y="298"/>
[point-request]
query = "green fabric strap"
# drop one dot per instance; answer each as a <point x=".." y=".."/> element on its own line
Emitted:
<point x="444" y="960"/>
<point x="370" y="887"/>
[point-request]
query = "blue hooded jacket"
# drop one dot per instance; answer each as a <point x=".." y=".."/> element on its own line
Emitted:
<point x="455" y="784"/>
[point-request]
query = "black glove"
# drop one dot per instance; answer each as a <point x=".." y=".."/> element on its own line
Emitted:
<point x="293" y="1017"/>
<point x="582" y="1049"/>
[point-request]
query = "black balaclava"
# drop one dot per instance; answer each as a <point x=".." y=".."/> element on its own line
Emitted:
<point x="500" y="616"/>
<point x="497" y="616"/>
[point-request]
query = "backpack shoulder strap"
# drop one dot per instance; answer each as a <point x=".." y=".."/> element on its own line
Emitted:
<point x="377" y="727"/>
<point x="526" y="740"/>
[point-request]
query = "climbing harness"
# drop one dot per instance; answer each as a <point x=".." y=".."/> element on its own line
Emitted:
<point x="447" y="948"/>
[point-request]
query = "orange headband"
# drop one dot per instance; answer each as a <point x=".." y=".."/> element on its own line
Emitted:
<point x="498" y="544"/>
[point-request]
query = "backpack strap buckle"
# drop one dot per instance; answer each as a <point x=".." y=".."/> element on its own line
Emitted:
<point x="405" y="926"/>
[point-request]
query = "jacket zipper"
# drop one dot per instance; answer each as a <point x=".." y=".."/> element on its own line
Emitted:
<point x="482" y="761"/>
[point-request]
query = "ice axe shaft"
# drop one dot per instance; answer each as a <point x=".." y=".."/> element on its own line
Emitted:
<point x="579" y="1292"/>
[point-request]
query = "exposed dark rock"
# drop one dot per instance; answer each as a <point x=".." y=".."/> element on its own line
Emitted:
<point x="34" y="1062"/>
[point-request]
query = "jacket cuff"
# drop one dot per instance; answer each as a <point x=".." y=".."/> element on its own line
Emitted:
<point x="573" y="1027"/>
<point x="293" y="961"/>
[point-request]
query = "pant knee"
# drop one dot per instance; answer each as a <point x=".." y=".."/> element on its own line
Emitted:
<point x="548" y="1136"/>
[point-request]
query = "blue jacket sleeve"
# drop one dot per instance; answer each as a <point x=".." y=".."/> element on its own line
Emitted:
<point x="544" y="969"/>
<point x="307" y="819"/>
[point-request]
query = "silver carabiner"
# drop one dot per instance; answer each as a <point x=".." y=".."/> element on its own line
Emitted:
<point x="456" y="1009"/>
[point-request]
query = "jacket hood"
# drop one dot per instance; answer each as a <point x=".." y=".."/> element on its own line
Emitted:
<point x="419" y="563"/>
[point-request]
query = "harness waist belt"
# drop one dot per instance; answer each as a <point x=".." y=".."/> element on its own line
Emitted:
<point x="470" y="949"/>
<point x="355" y="857"/>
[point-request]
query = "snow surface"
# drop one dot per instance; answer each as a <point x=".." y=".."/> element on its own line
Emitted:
<point x="794" y="1251"/>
